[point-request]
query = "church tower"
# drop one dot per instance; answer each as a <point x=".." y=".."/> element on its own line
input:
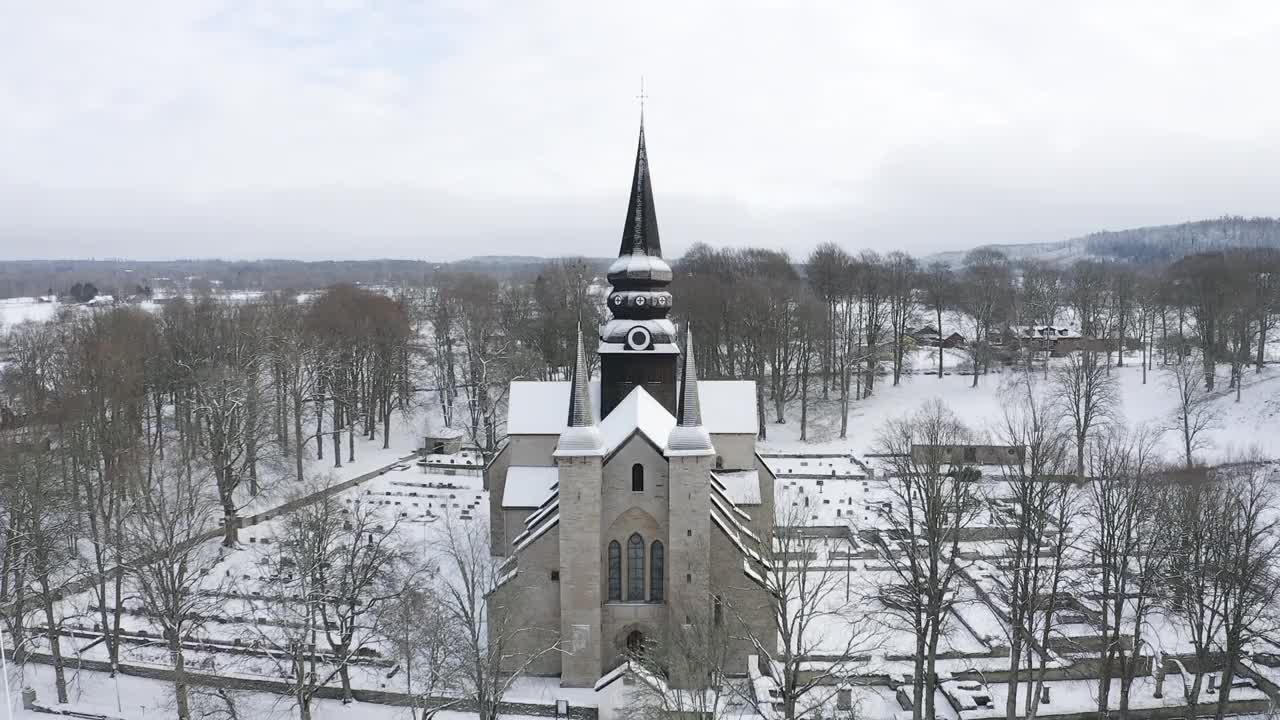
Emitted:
<point x="638" y="345"/>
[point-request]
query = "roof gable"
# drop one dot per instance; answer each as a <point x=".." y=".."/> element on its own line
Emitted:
<point x="540" y="408"/>
<point x="638" y="412"/>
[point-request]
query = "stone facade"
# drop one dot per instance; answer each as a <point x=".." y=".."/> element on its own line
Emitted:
<point x="611" y="530"/>
<point x="597" y="506"/>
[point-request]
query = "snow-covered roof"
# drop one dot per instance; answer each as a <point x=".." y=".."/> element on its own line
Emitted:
<point x="435" y="428"/>
<point x="740" y="486"/>
<point x="728" y="406"/>
<point x="541" y="408"/>
<point x="666" y="348"/>
<point x="1054" y="331"/>
<point x="638" y="411"/>
<point x="528" y="486"/>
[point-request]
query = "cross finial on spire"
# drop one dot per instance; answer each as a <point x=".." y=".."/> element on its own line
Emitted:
<point x="642" y="97"/>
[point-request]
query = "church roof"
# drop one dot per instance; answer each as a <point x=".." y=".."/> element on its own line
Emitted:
<point x="538" y="408"/>
<point x="740" y="486"/>
<point x="638" y="412"/>
<point x="528" y="486"/>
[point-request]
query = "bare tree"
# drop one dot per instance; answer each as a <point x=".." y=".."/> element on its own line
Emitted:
<point x="1040" y="501"/>
<point x="1194" y="413"/>
<point x="1250" y="564"/>
<point x="809" y="612"/>
<point x="296" y="359"/>
<point x="986" y="297"/>
<point x="683" y="672"/>
<point x="825" y="271"/>
<point x="900" y="275"/>
<point x="328" y="574"/>
<point x="811" y="331"/>
<point x="1129" y="539"/>
<point x="1088" y="396"/>
<point x="933" y="501"/>
<point x="42" y="517"/>
<point x="172" y="563"/>
<point x="424" y="641"/>
<point x="1198" y="511"/>
<point x="489" y="633"/>
<point x="939" y="285"/>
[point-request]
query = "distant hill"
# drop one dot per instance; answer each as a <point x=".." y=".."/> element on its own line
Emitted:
<point x="1160" y="243"/>
<point x="124" y="277"/>
<point x="507" y="265"/>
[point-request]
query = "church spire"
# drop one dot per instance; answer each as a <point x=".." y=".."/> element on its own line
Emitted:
<point x="580" y="414"/>
<point x="689" y="414"/>
<point x="638" y="343"/>
<point x="688" y="437"/>
<point x="640" y="233"/>
<point x="581" y="437"/>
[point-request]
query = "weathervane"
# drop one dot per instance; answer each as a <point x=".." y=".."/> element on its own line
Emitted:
<point x="641" y="97"/>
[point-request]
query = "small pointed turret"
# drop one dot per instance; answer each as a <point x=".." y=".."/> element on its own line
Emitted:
<point x="581" y="437"/>
<point x="688" y="437"/>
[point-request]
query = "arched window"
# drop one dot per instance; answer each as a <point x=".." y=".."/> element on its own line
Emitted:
<point x="615" y="572"/>
<point x="637" y="478"/>
<point x="635" y="568"/>
<point x="656" y="568"/>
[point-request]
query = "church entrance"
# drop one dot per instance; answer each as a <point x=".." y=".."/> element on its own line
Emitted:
<point x="635" y="642"/>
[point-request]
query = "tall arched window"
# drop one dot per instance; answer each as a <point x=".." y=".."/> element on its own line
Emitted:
<point x="615" y="572"/>
<point x="637" y="478"/>
<point x="635" y="568"/>
<point x="656" y="567"/>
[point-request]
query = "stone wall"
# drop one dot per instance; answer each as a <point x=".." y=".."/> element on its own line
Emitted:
<point x="379" y="697"/>
<point x="526" y="608"/>
<point x="580" y="563"/>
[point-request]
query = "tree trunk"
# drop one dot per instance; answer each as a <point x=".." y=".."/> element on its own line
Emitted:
<point x="344" y="674"/>
<point x="179" y="677"/>
<point x="231" y="524"/>
<point x="55" y="642"/>
<point x="921" y="675"/>
<point x="1224" y="688"/>
<point x="320" y="426"/>
<point x="804" y="394"/>
<point x="297" y="435"/>
<point x="930" y="672"/>
<point x="939" y="314"/>
<point x="338" y="419"/>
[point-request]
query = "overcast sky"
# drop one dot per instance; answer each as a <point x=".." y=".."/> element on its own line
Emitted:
<point x="376" y="128"/>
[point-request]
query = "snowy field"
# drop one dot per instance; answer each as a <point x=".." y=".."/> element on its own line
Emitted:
<point x="15" y="311"/>
<point x="1251" y="424"/>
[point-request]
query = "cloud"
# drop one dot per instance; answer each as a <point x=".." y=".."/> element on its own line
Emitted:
<point x="346" y="129"/>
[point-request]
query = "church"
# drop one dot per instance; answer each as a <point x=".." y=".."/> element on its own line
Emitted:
<point x="626" y="509"/>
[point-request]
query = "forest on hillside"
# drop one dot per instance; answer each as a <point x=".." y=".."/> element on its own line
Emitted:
<point x="1166" y="243"/>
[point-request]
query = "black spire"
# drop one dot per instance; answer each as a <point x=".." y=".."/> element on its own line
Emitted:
<point x="640" y="234"/>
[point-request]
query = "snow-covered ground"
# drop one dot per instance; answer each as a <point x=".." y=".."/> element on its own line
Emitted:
<point x="146" y="699"/>
<point x="828" y="486"/>
<point x="15" y="311"/>
<point x="1251" y="424"/>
